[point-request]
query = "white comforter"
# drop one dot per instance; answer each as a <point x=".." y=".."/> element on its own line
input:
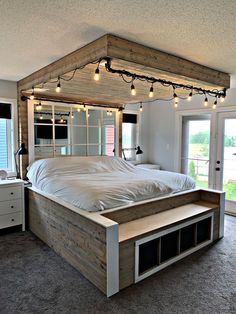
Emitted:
<point x="100" y="182"/>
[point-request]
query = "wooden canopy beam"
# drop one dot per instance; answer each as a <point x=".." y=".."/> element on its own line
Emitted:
<point x="132" y="52"/>
<point x="118" y="48"/>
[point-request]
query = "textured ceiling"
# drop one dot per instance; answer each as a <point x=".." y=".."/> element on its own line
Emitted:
<point x="35" y="33"/>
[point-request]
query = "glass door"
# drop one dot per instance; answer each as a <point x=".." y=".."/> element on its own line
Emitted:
<point x="225" y="164"/>
<point x="195" y="154"/>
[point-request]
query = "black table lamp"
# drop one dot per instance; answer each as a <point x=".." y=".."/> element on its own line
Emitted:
<point x="138" y="150"/>
<point x="20" y="151"/>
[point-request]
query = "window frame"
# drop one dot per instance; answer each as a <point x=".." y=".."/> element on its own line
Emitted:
<point x="138" y="127"/>
<point x="70" y="125"/>
<point x="12" y="135"/>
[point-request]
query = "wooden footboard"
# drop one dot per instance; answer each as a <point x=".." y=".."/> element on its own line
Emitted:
<point x="103" y="246"/>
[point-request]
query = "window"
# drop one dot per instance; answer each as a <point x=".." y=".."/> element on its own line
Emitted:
<point x="5" y="137"/>
<point x="129" y="136"/>
<point x="71" y="130"/>
<point x="196" y="148"/>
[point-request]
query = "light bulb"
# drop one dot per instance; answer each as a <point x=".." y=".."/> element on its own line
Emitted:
<point x="41" y="117"/>
<point x="96" y="75"/>
<point x="107" y="113"/>
<point x="151" y="93"/>
<point x="88" y="115"/>
<point x="222" y="98"/>
<point x="78" y="109"/>
<point x="206" y="102"/>
<point x="72" y="115"/>
<point x="58" y="88"/>
<point x="141" y="108"/>
<point x="214" y="105"/>
<point x="176" y="105"/>
<point x="84" y="108"/>
<point x="61" y="120"/>
<point x="176" y="98"/>
<point x="190" y="96"/>
<point x="133" y="90"/>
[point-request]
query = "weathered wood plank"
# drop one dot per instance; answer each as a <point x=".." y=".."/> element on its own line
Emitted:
<point x="80" y="241"/>
<point x="133" y="52"/>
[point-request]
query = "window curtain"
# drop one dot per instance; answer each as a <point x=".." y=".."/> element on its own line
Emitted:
<point x="5" y="111"/>
<point x="129" y="118"/>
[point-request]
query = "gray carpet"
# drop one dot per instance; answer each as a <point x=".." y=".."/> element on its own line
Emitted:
<point x="33" y="279"/>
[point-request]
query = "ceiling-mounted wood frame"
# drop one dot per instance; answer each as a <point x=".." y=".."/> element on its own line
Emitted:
<point x="117" y="48"/>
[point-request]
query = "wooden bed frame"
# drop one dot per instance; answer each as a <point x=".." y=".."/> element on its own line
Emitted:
<point x="116" y="248"/>
<point x="107" y="247"/>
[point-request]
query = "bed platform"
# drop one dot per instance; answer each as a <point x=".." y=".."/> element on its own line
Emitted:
<point x="119" y="247"/>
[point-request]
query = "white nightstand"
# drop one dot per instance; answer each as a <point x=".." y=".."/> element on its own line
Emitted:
<point x="149" y="166"/>
<point x="12" y="207"/>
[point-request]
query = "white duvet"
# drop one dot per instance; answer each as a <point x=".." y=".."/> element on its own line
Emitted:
<point x="101" y="182"/>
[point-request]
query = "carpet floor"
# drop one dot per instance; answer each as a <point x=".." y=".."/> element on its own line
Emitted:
<point x="34" y="279"/>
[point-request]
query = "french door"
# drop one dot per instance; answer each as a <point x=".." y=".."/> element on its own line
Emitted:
<point x="208" y="152"/>
<point x="225" y="166"/>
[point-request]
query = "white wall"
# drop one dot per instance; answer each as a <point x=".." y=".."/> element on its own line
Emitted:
<point x="159" y="128"/>
<point x="8" y="89"/>
<point x="143" y="129"/>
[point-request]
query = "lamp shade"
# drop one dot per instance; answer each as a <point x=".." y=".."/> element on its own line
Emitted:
<point x="139" y="151"/>
<point x="22" y="150"/>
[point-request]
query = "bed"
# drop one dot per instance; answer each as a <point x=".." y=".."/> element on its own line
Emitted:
<point x="97" y="183"/>
<point x="106" y="217"/>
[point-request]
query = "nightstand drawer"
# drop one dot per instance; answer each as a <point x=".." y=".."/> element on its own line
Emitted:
<point x="10" y="220"/>
<point x="11" y="206"/>
<point x="10" y="193"/>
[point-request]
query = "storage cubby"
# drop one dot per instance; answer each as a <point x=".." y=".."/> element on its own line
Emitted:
<point x="169" y="246"/>
<point x="187" y="237"/>
<point x="148" y="255"/>
<point x="203" y="230"/>
<point x="166" y="247"/>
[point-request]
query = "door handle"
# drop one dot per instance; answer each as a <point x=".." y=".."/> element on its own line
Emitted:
<point x="217" y="168"/>
<point x="218" y="162"/>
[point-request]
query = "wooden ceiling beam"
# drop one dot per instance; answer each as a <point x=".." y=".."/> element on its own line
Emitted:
<point x="122" y="49"/>
<point x="87" y="54"/>
<point x="132" y="52"/>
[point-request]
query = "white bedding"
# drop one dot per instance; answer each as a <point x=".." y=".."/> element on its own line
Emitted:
<point x="101" y="182"/>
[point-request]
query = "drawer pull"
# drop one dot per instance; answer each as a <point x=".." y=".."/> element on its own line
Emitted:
<point x="12" y="219"/>
<point x="12" y="206"/>
<point x="12" y="193"/>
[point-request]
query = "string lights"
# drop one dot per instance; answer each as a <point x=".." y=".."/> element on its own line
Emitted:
<point x="206" y="101"/>
<point x="96" y="74"/>
<point x="32" y="94"/>
<point x="129" y="78"/>
<point x="132" y="88"/>
<point x="58" y="88"/>
<point x="190" y="96"/>
<point x="151" y="93"/>
<point x="175" y="97"/>
<point x="214" y="105"/>
<point x="38" y="106"/>
<point x="141" y="107"/>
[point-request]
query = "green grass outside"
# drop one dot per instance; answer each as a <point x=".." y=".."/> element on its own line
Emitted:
<point x="229" y="188"/>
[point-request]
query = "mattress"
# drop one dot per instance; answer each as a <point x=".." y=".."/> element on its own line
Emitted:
<point x="97" y="183"/>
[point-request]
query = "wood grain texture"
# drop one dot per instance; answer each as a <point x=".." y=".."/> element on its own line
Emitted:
<point x="152" y="207"/>
<point x="147" y="224"/>
<point x="126" y="50"/>
<point x="80" y="241"/>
